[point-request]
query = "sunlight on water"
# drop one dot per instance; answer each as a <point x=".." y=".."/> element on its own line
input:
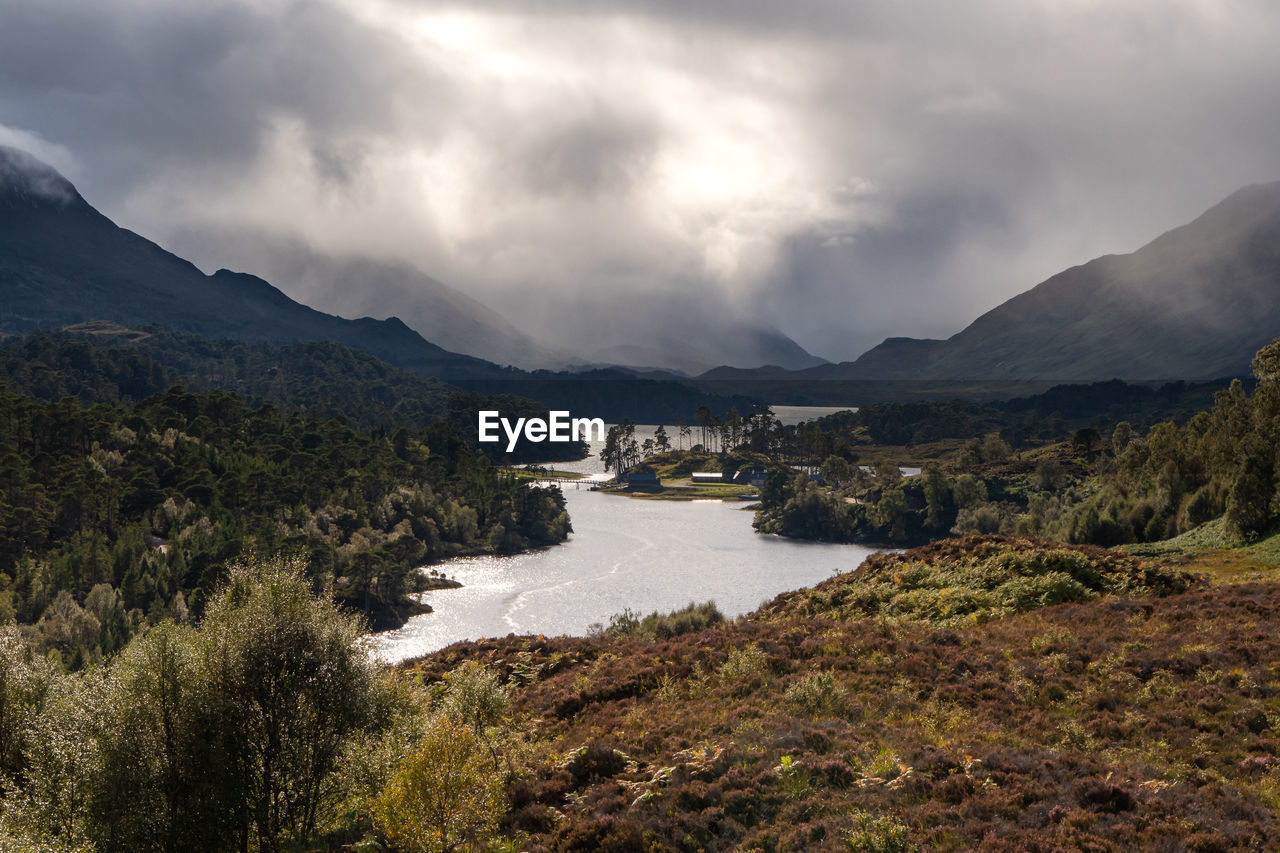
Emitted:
<point x="624" y="553"/>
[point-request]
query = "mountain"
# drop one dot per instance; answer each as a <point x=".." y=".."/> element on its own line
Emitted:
<point x="62" y="262"/>
<point x="353" y="285"/>
<point x="1195" y="303"/>
<point x="677" y="332"/>
<point x="693" y="346"/>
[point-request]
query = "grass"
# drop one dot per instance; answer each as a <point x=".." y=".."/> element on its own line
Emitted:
<point x="1144" y="716"/>
<point x="675" y="490"/>
<point x="1213" y="551"/>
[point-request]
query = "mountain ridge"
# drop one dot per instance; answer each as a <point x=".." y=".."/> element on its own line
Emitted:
<point x="64" y="262"/>
<point x="1194" y="291"/>
<point x="1205" y="296"/>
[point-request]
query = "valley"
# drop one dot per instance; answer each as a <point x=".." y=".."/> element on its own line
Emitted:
<point x="974" y="593"/>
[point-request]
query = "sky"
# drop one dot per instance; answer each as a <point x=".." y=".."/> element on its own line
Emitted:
<point x="841" y="171"/>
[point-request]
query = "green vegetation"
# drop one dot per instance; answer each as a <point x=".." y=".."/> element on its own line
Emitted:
<point x="446" y="794"/>
<point x="1125" y="487"/>
<point x="683" y="491"/>
<point x="538" y="472"/>
<point x="661" y="626"/>
<point x="207" y="738"/>
<point x="101" y="363"/>
<point x="985" y="693"/>
<point x="112" y="518"/>
<point x="263" y="728"/>
<point x="968" y="581"/>
<point x="1024" y="466"/>
<point x="979" y="693"/>
<point x="186" y="574"/>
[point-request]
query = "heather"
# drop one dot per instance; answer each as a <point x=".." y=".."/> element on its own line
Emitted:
<point x="1141" y="715"/>
<point x="870" y="713"/>
<point x="959" y="581"/>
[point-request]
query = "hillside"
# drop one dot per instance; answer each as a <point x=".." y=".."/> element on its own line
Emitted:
<point x="691" y="341"/>
<point x="1206" y="297"/>
<point x="352" y="285"/>
<point x="62" y="262"/>
<point x="994" y="694"/>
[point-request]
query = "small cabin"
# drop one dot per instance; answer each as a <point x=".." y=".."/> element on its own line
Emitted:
<point x="642" y="478"/>
<point x="707" y="478"/>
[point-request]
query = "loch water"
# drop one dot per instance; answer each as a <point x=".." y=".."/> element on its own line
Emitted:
<point x="624" y="553"/>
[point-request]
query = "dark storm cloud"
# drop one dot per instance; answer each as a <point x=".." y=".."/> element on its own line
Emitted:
<point x="133" y="88"/>
<point x="844" y="171"/>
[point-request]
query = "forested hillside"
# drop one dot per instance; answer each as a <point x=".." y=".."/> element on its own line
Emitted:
<point x="112" y="517"/>
<point x="986" y="473"/>
<point x="101" y="363"/>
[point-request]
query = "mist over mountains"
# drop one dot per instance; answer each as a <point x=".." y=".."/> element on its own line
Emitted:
<point x="560" y="330"/>
<point x="355" y="285"/>
<point x="62" y="262"/>
<point x="1195" y="303"/>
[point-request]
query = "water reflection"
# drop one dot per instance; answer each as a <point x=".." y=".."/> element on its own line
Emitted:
<point x="645" y="555"/>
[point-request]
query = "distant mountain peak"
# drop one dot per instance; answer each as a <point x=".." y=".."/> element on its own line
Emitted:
<point x="63" y="263"/>
<point x="26" y="180"/>
<point x="1194" y="303"/>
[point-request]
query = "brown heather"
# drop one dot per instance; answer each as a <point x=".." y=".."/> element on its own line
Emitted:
<point x="1140" y="713"/>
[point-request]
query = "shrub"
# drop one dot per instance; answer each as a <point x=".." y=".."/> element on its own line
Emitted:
<point x="663" y="626"/>
<point x="878" y="834"/>
<point x="447" y="793"/>
<point x="818" y="692"/>
<point x="472" y="695"/>
<point x="745" y="667"/>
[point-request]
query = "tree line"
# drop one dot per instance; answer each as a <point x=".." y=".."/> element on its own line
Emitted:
<point x="321" y="380"/>
<point x="1125" y="485"/>
<point x="112" y="517"/>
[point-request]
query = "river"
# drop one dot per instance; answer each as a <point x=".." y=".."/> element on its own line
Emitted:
<point x="623" y="553"/>
<point x="644" y="555"/>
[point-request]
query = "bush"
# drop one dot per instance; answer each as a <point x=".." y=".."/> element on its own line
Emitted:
<point x="659" y="626"/>
<point x="472" y="695"/>
<point x="878" y="834"/>
<point x="818" y="692"/>
<point x="447" y="793"/>
<point x="746" y="667"/>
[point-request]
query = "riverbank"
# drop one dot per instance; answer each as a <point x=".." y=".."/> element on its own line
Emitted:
<point x="647" y="555"/>
<point x="682" y="490"/>
<point x="983" y="693"/>
<point x="530" y="472"/>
